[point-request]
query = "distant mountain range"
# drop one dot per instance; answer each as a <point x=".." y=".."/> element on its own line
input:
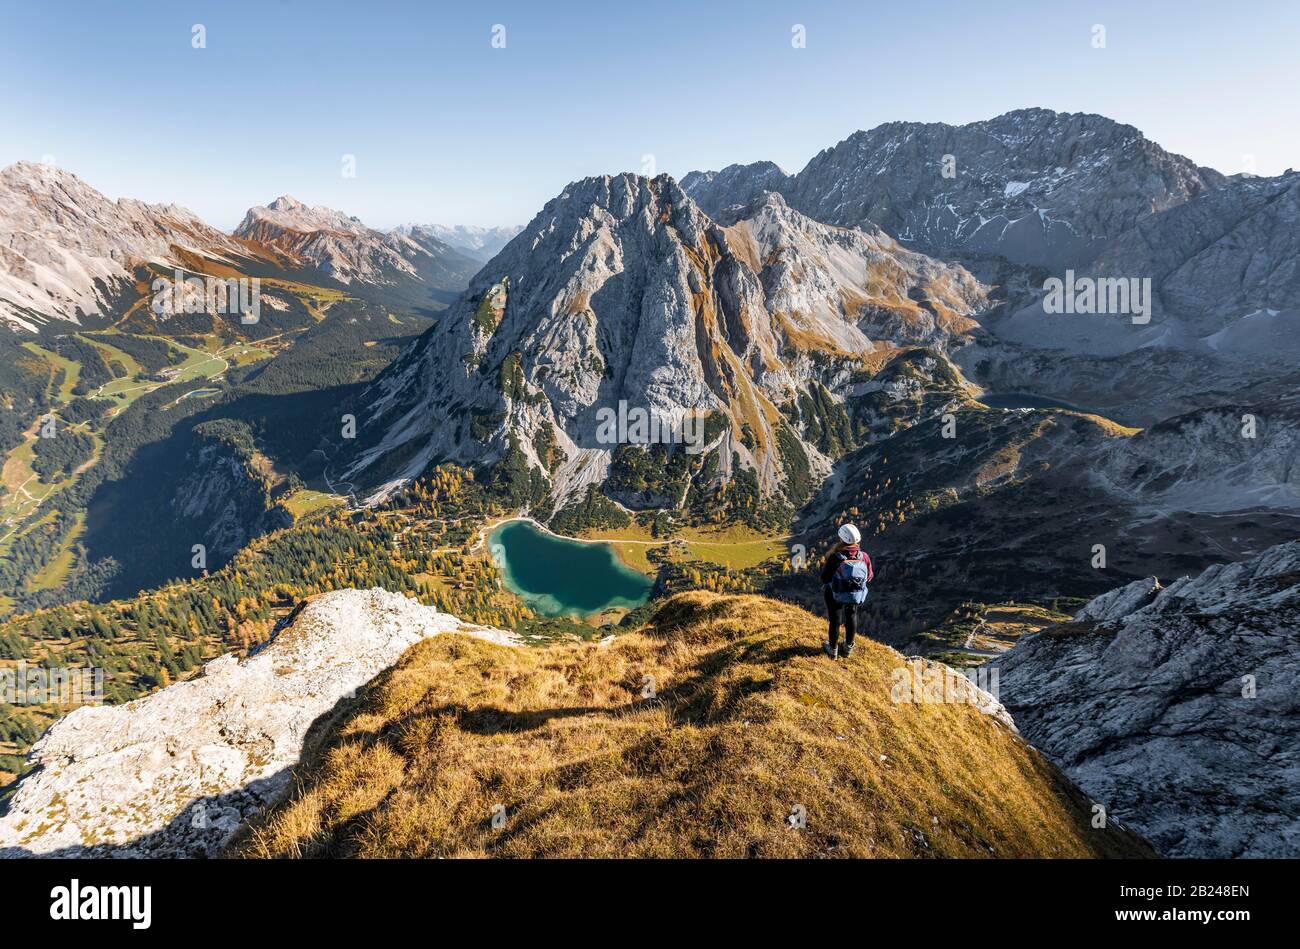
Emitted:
<point x="1033" y="185"/>
<point x="745" y="286"/>
<point x="1033" y="195"/>
<point x="71" y="254"/>
<point x="85" y="334"/>
<point x="481" y="243"/>
<point x="347" y="251"/>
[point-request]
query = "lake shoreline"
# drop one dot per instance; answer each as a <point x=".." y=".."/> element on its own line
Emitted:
<point x="557" y="575"/>
<point x="488" y="528"/>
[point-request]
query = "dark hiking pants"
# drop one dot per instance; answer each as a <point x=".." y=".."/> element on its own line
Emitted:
<point x="834" y="613"/>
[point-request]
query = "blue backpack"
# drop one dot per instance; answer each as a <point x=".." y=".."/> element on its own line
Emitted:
<point x="849" y="582"/>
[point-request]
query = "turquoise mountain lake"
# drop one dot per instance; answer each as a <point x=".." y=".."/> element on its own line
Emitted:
<point x="557" y="576"/>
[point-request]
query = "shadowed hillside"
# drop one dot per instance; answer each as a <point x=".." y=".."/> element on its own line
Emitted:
<point x="743" y="722"/>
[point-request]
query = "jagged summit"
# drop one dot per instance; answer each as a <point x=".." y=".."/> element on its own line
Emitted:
<point x="735" y="186"/>
<point x="348" y="251"/>
<point x="289" y="213"/>
<point x="286" y="203"/>
<point x="1032" y="185"/>
<point x="70" y="252"/>
<point x="623" y="290"/>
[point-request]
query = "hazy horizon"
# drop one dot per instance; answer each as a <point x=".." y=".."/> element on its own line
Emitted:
<point x="445" y="128"/>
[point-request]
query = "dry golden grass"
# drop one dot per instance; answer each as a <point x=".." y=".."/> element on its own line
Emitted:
<point x="733" y="545"/>
<point x="740" y="238"/>
<point x="751" y="720"/>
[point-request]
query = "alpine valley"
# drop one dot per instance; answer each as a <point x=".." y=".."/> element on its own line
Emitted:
<point x="256" y="526"/>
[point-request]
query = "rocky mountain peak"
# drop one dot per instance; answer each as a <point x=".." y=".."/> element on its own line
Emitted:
<point x="39" y="178"/>
<point x="736" y="186"/>
<point x="286" y="203"/>
<point x="622" y="290"/>
<point x="289" y="214"/>
<point x="348" y="251"/>
<point x="70" y="252"/>
<point x="615" y="199"/>
<point x="1033" y="185"/>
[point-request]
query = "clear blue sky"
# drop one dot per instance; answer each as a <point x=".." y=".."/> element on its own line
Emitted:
<point x="447" y="129"/>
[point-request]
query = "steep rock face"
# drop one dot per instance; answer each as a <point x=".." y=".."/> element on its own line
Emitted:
<point x="851" y="287"/>
<point x="176" y="773"/>
<point x="1033" y="185"/>
<point x="224" y="503"/>
<point x="67" y="251"/>
<point x="622" y="290"/>
<point x="736" y="186"/>
<point x="1178" y="709"/>
<point x="346" y="250"/>
<point x="1225" y="279"/>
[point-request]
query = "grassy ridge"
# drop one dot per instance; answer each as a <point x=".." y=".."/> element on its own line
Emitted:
<point x="748" y="722"/>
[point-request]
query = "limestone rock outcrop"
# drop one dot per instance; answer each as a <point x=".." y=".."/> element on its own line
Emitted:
<point x="176" y="773"/>
<point x="1179" y="712"/>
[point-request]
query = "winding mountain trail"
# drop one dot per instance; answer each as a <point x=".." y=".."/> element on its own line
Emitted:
<point x="324" y="473"/>
<point x="970" y="648"/>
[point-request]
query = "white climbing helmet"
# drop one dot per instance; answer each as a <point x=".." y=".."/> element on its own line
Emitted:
<point x="849" y="534"/>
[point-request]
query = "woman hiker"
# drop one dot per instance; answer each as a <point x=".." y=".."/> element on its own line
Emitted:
<point x="846" y="571"/>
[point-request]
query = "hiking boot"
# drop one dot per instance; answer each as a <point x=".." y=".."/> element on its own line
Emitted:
<point x="846" y="650"/>
<point x="828" y="649"/>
